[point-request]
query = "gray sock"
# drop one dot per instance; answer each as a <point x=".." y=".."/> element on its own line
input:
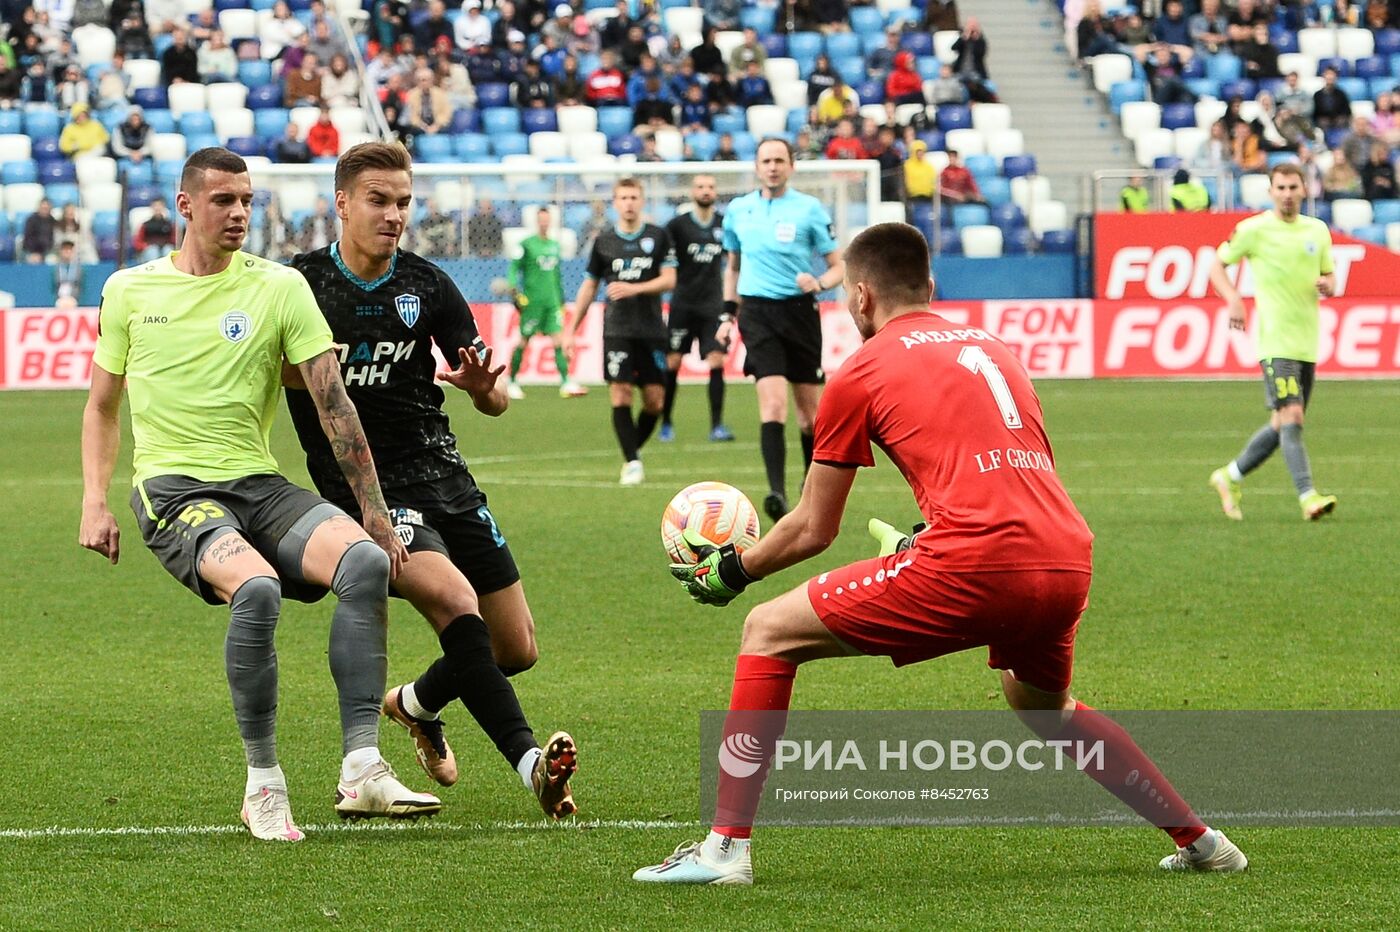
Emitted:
<point x="1296" y="456"/>
<point x="1260" y="447"/>
<point x="359" y="641"/>
<point x="250" y="660"/>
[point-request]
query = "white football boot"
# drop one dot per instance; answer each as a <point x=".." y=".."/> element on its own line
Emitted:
<point x="632" y="473"/>
<point x="716" y="860"/>
<point x="1211" y="852"/>
<point x="377" y="793"/>
<point x="268" y="815"/>
<point x="514" y="392"/>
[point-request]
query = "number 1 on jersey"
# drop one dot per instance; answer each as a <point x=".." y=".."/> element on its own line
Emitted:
<point x="976" y="361"/>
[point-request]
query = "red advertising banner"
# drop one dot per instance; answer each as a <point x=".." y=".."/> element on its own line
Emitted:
<point x="1055" y="338"/>
<point x="1166" y="257"/>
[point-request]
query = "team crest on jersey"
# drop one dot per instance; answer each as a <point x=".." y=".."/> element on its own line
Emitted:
<point x="235" y="326"/>
<point x="409" y="308"/>
<point x="1311" y="248"/>
<point x="648" y="244"/>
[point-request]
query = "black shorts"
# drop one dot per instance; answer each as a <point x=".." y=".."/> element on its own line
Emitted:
<point x="634" y="361"/>
<point x="179" y="515"/>
<point x="783" y="338"/>
<point x="450" y="516"/>
<point x="1287" y="381"/>
<point x="694" y="326"/>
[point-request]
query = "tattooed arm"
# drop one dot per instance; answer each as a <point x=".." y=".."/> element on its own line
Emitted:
<point x="342" y="426"/>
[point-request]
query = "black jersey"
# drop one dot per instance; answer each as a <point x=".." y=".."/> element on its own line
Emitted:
<point x="387" y="328"/>
<point x="699" y="264"/>
<point x="638" y="257"/>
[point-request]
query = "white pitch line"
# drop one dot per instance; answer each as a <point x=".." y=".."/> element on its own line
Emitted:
<point x="64" y="831"/>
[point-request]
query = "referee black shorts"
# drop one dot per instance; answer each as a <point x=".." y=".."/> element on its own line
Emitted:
<point x="782" y="337"/>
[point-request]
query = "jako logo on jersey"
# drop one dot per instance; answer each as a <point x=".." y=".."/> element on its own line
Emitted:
<point x="235" y="326"/>
<point x="409" y="307"/>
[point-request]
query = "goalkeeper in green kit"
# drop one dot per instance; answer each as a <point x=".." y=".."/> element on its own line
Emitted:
<point x="537" y="287"/>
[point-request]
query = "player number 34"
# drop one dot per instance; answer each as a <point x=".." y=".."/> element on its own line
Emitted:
<point x="976" y="361"/>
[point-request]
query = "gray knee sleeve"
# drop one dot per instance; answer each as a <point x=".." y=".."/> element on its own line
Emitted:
<point x="292" y="547"/>
<point x="359" y="641"/>
<point x="250" y="660"/>
<point x="1296" y="456"/>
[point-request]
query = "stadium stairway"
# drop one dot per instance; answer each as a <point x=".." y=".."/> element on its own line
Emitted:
<point x="1066" y="123"/>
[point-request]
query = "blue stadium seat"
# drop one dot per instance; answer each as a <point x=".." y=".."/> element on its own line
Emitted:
<point x="870" y="41"/>
<point x="842" y="45"/>
<point x="851" y="68"/>
<point x="905" y="17"/>
<point x="510" y="144"/>
<point x="1274" y="86"/>
<point x="42" y="122"/>
<point x="775" y="44"/>
<point x="246" y="145"/>
<point x="46" y="150"/>
<point x="195" y="123"/>
<point x="162" y="121"/>
<point x="997" y="191"/>
<point x="5" y="223"/>
<point x="266" y="97"/>
<point x="1175" y="116"/>
<point x="1373" y="67"/>
<point x="625" y="144"/>
<point x="1386" y="211"/>
<point x="18" y="173"/>
<point x="161" y="42"/>
<point x="465" y="120"/>
<point x="1356" y="88"/>
<point x="1014" y="166"/>
<point x="1322" y="210"/>
<point x="202" y="141"/>
<point x="167" y="171"/>
<point x="866" y="20"/>
<point x="494" y="95"/>
<point x="1387" y="41"/>
<point x="433" y="148"/>
<point x="921" y="217"/>
<point x="270" y="123"/>
<point x="1195" y="68"/>
<point x="759" y="18"/>
<point x="1276" y="158"/>
<point x="796" y="119"/>
<point x="703" y="146"/>
<point x="1201" y="87"/>
<point x="7" y="248"/>
<point x="221" y="5"/>
<point x="1057" y="241"/>
<point x="105" y="223"/>
<point x="150" y="98"/>
<point x="1284" y="39"/>
<point x="615" y="121"/>
<point x="261" y="5"/>
<point x="1334" y="137"/>
<point x="1169" y="162"/>
<point x="539" y="120"/>
<point x="255" y="73"/>
<point x="965" y="215"/>
<point x="954" y="116"/>
<point x="920" y="43"/>
<point x="57" y="172"/>
<point x="1378" y="86"/>
<point x="145" y="172"/>
<point x="949" y="242"/>
<point x="804" y="46"/>
<point x="928" y="66"/>
<point x="1372" y="233"/>
<point x="1123" y="92"/>
<point x="1008" y="217"/>
<point x="1341" y="64"/>
<point x="61" y="195"/>
<point x="472" y="147"/>
<point x="747" y="147"/>
<point x="499" y="120"/>
<point x="1224" y="67"/>
<point x="727" y="121"/>
<point x="1017" y="242"/>
<point x="981" y="166"/>
<point x="11" y="122"/>
<point x="871" y="91"/>
<point x="1245" y="88"/>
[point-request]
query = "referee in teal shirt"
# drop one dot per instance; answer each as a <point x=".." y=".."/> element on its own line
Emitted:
<point x="771" y="235"/>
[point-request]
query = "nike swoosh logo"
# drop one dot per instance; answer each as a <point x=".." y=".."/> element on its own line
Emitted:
<point x="350" y="794"/>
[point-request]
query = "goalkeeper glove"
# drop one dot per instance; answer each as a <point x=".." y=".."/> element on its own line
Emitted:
<point x="890" y="538"/>
<point x="717" y="579"/>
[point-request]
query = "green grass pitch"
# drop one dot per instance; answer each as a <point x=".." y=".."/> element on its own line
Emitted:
<point x="116" y="718"/>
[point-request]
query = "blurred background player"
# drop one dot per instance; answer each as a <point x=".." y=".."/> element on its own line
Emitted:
<point x="771" y="235"/>
<point x="537" y="287"/>
<point x="636" y="264"/>
<point x="1006" y="562"/>
<point x="697" y="304"/>
<point x="200" y="337"/>
<point x="1290" y="257"/>
<point x="387" y="307"/>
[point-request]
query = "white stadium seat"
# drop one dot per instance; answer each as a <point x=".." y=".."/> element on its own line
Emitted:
<point x="1354" y="43"/>
<point x="781" y="69"/>
<point x="670" y="144"/>
<point x="1318" y="42"/>
<point x="1209" y="111"/>
<point x="1305" y="65"/>
<point x="943" y="45"/>
<point x="1254" y="192"/>
<point x="965" y="142"/>
<point x="142" y="72"/>
<point x="889" y="6"/>
<point x="187" y="98"/>
<point x="988" y="118"/>
<point x="348" y="119"/>
<point x="549" y="146"/>
<point x="297" y="194"/>
<point x="304" y="118"/>
<point x="351" y="139"/>
<point x="95" y="44"/>
<point x="15" y="147"/>
<point x="238" y="24"/>
<point x="1349" y="213"/>
<point x="1363" y="108"/>
<point x="584" y="147"/>
<point x="451" y="194"/>
<point x="95" y="170"/>
<point x="903" y="113"/>
<point x="766" y="120"/>
<point x="790" y="95"/>
<point x="683" y="20"/>
<point x="1047" y="215"/>
<point x="727" y="41"/>
<point x="1028" y="190"/>
<point x="512" y="237"/>
<point x="1139" y="115"/>
<point x="231" y="123"/>
<point x="23" y="198"/>
<point x="577" y="119"/>
<point x="101" y="195"/>
<point x="1153" y="143"/>
<point x="1006" y="142"/>
<point x="874" y="112"/>
<point x="195" y="7"/>
<point x="167" y="147"/>
<point x="137" y="216"/>
<point x="1109" y="70"/>
<point x="226" y="95"/>
<point x="1392" y="237"/>
<point x="1187" y="142"/>
<point x="981" y="242"/>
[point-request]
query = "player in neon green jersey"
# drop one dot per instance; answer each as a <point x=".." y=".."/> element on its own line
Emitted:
<point x="197" y="339"/>
<point x="1291" y="258"/>
<point x="538" y="287"/>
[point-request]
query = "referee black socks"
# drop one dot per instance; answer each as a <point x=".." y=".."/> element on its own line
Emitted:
<point x="774" y="447"/>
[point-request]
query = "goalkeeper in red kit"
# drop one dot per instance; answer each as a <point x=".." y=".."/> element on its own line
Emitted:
<point x="1005" y="562"/>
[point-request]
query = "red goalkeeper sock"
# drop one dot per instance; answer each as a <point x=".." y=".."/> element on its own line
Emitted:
<point x="1129" y="774"/>
<point x="761" y="684"/>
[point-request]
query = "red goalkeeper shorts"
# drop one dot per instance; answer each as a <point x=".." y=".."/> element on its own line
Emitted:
<point x="905" y="607"/>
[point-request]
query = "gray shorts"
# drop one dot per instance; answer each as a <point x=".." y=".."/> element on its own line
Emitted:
<point x="179" y="517"/>
<point x="1287" y="381"/>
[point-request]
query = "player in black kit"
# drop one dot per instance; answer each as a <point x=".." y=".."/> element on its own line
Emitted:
<point x="697" y="304"/>
<point x="637" y="264"/>
<point x="386" y="308"/>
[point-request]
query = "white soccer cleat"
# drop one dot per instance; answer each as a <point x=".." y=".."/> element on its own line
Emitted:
<point x="377" y="793"/>
<point x="1201" y="855"/>
<point x="1230" y="491"/>
<point x="693" y="863"/>
<point x="514" y="392"/>
<point x="268" y="815"/>
<point x="632" y="473"/>
<point x="572" y="389"/>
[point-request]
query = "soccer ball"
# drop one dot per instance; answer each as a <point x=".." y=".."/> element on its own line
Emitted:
<point x="718" y="513"/>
